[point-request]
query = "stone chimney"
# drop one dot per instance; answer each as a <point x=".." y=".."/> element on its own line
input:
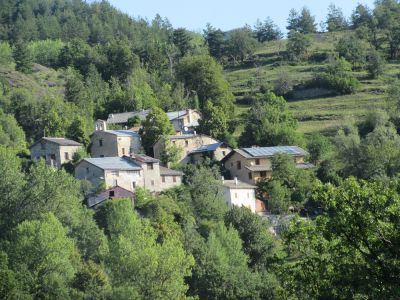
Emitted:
<point x="100" y="125"/>
<point x="236" y="181"/>
<point x="189" y="113"/>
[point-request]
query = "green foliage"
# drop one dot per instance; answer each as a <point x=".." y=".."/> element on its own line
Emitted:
<point x="6" y="54"/>
<point x="240" y="44"/>
<point x="215" y="41"/>
<point x="45" y="257"/>
<point x="11" y="134"/>
<point x="375" y="64"/>
<point x="297" y="46"/>
<point x="302" y="22"/>
<point x="267" y="31"/>
<point x="171" y="154"/>
<point x="214" y="121"/>
<point x="181" y="39"/>
<point x="319" y="148"/>
<point x="350" y="252"/>
<point x="46" y="52"/>
<point x="353" y="50"/>
<point x="337" y="77"/>
<point x="335" y="20"/>
<point x="155" y="126"/>
<point x="204" y="76"/>
<point x="22" y="57"/>
<point x="269" y="123"/>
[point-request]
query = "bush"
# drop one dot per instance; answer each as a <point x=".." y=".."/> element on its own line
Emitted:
<point x="46" y="52"/>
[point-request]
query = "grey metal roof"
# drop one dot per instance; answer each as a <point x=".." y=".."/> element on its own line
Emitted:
<point x="258" y="168"/>
<point x="305" y="166"/>
<point x="142" y="114"/>
<point x="124" y="133"/>
<point x="114" y="163"/>
<point x="237" y="185"/>
<point x="270" y="151"/>
<point x="207" y="148"/>
<point x="59" y="141"/>
<point x="169" y="172"/>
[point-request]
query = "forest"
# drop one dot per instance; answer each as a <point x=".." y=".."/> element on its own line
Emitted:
<point x="66" y="63"/>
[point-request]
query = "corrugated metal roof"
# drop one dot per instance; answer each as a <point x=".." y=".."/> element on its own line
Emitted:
<point x="114" y="163"/>
<point x="270" y="151"/>
<point x="207" y="148"/>
<point x="124" y="133"/>
<point x="142" y="114"/>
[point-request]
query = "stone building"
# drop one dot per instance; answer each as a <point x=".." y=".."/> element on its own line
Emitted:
<point x="55" y="151"/>
<point x="240" y="194"/>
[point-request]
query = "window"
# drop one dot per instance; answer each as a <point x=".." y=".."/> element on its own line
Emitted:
<point x="101" y="143"/>
<point x="174" y="142"/>
<point x="115" y="173"/>
<point x="133" y="184"/>
<point x="162" y="178"/>
<point x="53" y="157"/>
<point x="66" y="155"/>
<point x="174" y="178"/>
<point x="150" y="166"/>
<point x="238" y="165"/>
<point x="223" y="153"/>
<point x="152" y="183"/>
<point x="186" y="143"/>
<point x="263" y="174"/>
<point x="257" y="161"/>
<point x="111" y="194"/>
<point x="250" y="175"/>
<point x="87" y="170"/>
<point x="123" y="151"/>
<point x="102" y="155"/>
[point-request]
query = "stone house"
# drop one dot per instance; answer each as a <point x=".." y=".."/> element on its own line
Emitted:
<point x="183" y="121"/>
<point x="128" y="173"/>
<point x="253" y="164"/>
<point x="189" y="143"/>
<point x="215" y="151"/>
<point x="109" y="143"/>
<point x="55" y="151"/>
<point x="115" y="192"/>
<point x="239" y="193"/>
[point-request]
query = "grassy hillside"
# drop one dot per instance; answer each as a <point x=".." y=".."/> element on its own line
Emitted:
<point x="314" y="111"/>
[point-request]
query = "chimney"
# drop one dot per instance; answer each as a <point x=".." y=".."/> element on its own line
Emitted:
<point x="223" y="179"/>
<point x="189" y="113"/>
<point x="194" y="132"/>
<point x="236" y="181"/>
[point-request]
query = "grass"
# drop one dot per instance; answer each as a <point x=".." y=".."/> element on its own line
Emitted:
<point x="320" y="114"/>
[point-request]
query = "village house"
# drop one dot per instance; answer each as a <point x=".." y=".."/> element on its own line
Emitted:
<point x="240" y="194"/>
<point x="108" y="143"/>
<point x="55" y="151"/>
<point x="183" y="121"/>
<point x="253" y="164"/>
<point x="115" y="192"/>
<point x="193" y="147"/>
<point x="128" y="173"/>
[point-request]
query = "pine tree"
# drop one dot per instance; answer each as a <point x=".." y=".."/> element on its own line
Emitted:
<point x="22" y="57"/>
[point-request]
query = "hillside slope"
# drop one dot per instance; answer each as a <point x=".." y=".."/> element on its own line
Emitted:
<point x="315" y="109"/>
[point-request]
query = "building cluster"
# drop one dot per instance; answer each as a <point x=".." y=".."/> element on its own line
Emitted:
<point x="116" y="162"/>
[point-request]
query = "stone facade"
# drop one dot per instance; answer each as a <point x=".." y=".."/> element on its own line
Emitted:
<point x="109" y="143"/>
<point x="55" y="151"/>
<point x="187" y="142"/>
<point x="128" y="173"/>
<point x="252" y="168"/>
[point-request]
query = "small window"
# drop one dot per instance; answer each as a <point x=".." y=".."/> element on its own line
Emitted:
<point x="133" y="184"/>
<point x="101" y="143"/>
<point x="102" y="155"/>
<point x="263" y="174"/>
<point x="150" y="166"/>
<point x="66" y="155"/>
<point x="174" y="178"/>
<point x="257" y="161"/>
<point x="53" y="157"/>
<point x="111" y="194"/>
<point x="174" y="142"/>
<point x="115" y="173"/>
<point x="223" y="153"/>
<point x="152" y="183"/>
<point x="87" y="170"/>
<point x="162" y="178"/>
<point x="123" y="151"/>
<point x="238" y="165"/>
<point x="250" y="175"/>
<point x="186" y="143"/>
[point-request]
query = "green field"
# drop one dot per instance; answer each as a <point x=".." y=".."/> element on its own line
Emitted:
<point x="314" y="113"/>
